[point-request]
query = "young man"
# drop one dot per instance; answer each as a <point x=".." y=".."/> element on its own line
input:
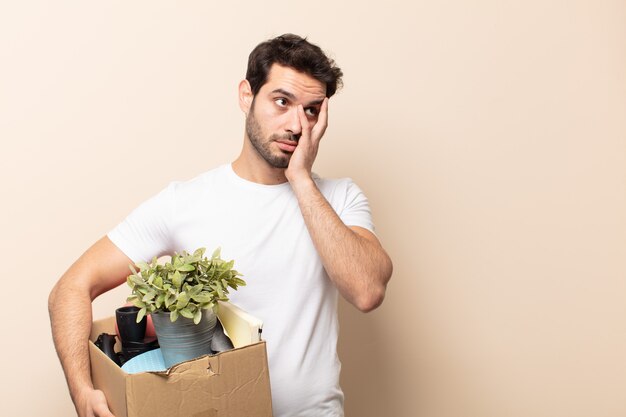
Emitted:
<point x="299" y="239"/>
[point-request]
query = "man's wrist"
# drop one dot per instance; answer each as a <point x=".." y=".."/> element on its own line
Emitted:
<point x="80" y="392"/>
<point x="301" y="182"/>
<point x="298" y="178"/>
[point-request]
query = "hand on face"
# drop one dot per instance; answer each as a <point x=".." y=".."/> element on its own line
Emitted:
<point x="303" y="157"/>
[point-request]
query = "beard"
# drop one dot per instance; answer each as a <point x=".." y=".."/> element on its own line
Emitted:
<point x="277" y="159"/>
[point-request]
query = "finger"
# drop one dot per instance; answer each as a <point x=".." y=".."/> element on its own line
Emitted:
<point x="323" y="117"/>
<point x="322" y="121"/>
<point x="304" y="123"/>
<point x="102" y="411"/>
<point x="100" y="407"/>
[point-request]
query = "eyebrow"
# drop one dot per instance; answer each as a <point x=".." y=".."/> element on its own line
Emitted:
<point x="291" y="96"/>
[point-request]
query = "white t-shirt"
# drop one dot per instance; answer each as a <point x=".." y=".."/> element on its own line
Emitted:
<point x="262" y="229"/>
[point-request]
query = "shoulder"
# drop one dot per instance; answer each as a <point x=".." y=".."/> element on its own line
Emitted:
<point x="348" y="201"/>
<point x="199" y="183"/>
<point x="338" y="190"/>
<point x="334" y="184"/>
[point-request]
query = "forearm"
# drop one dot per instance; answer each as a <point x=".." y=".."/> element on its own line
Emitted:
<point x="70" y="317"/>
<point x="358" y="266"/>
<point x="100" y="268"/>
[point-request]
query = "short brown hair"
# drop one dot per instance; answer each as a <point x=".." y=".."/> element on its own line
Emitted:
<point x="294" y="52"/>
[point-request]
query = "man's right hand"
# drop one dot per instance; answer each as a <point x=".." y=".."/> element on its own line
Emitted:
<point x="93" y="403"/>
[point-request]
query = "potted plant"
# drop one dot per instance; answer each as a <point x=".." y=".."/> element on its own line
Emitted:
<point x="181" y="295"/>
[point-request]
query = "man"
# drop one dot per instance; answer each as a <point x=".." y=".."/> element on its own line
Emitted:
<point x="299" y="239"/>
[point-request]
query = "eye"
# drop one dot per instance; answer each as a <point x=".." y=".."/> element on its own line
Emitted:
<point x="311" y="111"/>
<point x="282" y="102"/>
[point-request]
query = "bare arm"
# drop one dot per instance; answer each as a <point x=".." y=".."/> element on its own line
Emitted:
<point x="100" y="268"/>
<point x="352" y="256"/>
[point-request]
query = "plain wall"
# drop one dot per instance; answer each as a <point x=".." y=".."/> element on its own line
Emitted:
<point x="489" y="136"/>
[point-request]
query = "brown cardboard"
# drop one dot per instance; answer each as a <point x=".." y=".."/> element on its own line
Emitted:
<point x="234" y="383"/>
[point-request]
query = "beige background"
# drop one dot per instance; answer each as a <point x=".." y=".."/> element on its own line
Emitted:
<point x="489" y="136"/>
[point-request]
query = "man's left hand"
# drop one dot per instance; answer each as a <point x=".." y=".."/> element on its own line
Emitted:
<point x="302" y="159"/>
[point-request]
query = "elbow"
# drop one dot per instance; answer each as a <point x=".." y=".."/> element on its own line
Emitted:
<point x="370" y="301"/>
<point x="373" y="297"/>
<point x="52" y="297"/>
<point x="57" y="295"/>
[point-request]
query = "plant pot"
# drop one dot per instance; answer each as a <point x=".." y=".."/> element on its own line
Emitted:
<point x="127" y="327"/>
<point x="183" y="340"/>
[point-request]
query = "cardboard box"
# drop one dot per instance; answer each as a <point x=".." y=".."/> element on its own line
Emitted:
<point x="234" y="383"/>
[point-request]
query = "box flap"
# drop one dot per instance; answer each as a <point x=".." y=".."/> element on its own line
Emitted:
<point x="98" y="327"/>
<point x="108" y="377"/>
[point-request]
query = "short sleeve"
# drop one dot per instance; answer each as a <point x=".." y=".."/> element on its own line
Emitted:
<point x="356" y="210"/>
<point x="145" y="233"/>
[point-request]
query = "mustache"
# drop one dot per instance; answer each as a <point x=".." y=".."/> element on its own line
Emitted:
<point x="286" y="136"/>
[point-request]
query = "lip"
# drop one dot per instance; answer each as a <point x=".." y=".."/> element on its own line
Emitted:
<point x="287" y="145"/>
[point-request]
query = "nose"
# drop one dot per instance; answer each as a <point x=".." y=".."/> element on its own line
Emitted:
<point x="293" y="125"/>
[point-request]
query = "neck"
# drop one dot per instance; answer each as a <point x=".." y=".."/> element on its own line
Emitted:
<point x="252" y="167"/>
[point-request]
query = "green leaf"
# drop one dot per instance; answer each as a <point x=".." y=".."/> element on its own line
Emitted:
<point x="203" y="297"/>
<point x="186" y="268"/>
<point x="220" y="292"/>
<point x="195" y="290"/>
<point x="141" y="314"/>
<point x="158" y="282"/>
<point x="169" y="300"/>
<point x="176" y="279"/>
<point x="149" y="296"/>
<point x="134" y="298"/>
<point x="182" y="300"/>
<point x="197" y="317"/>
<point x="173" y="316"/>
<point x="216" y="253"/>
<point x="160" y="300"/>
<point x="185" y="312"/>
<point x="135" y="279"/>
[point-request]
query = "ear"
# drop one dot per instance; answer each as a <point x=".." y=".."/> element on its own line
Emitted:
<point x="245" y="96"/>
